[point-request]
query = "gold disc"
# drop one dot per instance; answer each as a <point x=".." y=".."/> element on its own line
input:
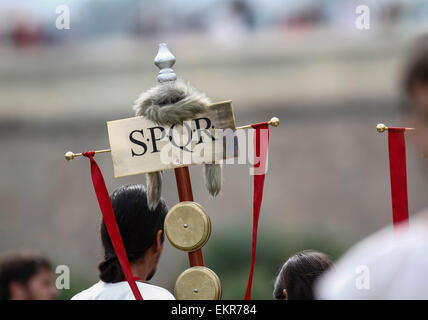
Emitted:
<point x="198" y="283"/>
<point x="187" y="226"/>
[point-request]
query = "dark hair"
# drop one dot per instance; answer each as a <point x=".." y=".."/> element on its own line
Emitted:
<point x="19" y="268"/>
<point x="137" y="224"/>
<point x="416" y="70"/>
<point x="298" y="275"/>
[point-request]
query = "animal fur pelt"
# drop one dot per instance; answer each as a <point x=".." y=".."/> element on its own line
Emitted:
<point x="170" y="103"/>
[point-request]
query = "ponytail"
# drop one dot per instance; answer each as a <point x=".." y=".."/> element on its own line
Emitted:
<point x="111" y="271"/>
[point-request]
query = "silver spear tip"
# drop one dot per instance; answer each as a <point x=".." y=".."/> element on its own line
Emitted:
<point x="164" y="60"/>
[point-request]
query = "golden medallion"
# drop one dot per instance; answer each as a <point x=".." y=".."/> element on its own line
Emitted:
<point x="187" y="226"/>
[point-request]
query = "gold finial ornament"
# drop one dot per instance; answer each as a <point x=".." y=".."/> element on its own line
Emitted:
<point x="69" y="156"/>
<point x="274" y="122"/>
<point x="381" y="128"/>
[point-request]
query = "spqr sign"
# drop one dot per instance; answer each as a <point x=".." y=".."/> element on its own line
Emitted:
<point x="139" y="145"/>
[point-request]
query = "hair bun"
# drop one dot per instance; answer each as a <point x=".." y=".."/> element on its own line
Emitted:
<point x="110" y="270"/>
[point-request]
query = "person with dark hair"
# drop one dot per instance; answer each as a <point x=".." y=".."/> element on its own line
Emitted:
<point x="26" y="277"/>
<point x="298" y="274"/>
<point x="142" y="232"/>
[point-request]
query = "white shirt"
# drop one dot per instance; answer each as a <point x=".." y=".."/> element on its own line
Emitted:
<point x="121" y="291"/>
<point x="387" y="265"/>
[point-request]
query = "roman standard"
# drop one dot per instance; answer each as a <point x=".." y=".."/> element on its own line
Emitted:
<point x="176" y="126"/>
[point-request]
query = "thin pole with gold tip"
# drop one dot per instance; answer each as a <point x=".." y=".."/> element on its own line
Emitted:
<point x="274" y="122"/>
<point x="70" y="155"/>
<point x="382" y="128"/>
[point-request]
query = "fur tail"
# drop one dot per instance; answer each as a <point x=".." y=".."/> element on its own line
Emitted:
<point x="213" y="178"/>
<point x="154" y="189"/>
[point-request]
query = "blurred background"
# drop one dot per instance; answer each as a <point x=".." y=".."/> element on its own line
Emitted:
<point x="303" y="61"/>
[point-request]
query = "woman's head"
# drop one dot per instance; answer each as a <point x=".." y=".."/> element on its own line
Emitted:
<point x="141" y="230"/>
<point x="298" y="274"/>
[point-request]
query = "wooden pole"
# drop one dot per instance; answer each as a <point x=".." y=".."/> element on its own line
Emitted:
<point x="184" y="188"/>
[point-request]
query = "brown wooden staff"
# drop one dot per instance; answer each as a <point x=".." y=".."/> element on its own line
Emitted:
<point x="184" y="188"/>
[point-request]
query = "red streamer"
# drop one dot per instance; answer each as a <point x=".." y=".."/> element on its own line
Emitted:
<point x="397" y="167"/>
<point x="111" y="224"/>
<point x="261" y="143"/>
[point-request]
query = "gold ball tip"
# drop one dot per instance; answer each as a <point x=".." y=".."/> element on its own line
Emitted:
<point x="69" y="155"/>
<point x="274" y="122"/>
<point x="381" y="127"/>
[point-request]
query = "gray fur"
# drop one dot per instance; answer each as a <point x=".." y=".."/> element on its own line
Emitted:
<point x="170" y="103"/>
<point x="154" y="188"/>
<point x="213" y="178"/>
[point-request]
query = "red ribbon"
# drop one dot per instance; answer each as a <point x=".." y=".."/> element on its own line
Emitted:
<point x="397" y="167"/>
<point x="261" y="143"/>
<point x="110" y="222"/>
